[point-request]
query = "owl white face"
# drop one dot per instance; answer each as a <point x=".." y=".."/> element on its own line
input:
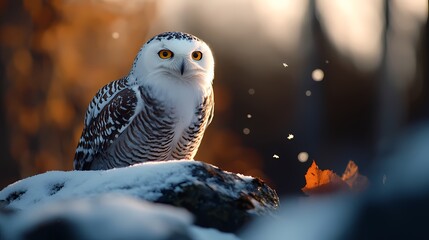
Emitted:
<point x="174" y="56"/>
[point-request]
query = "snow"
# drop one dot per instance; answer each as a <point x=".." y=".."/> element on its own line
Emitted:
<point x="142" y="180"/>
<point x="111" y="216"/>
<point x="145" y="180"/>
<point x="211" y="234"/>
<point x="101" y="217"/>
<point x="111" y="204"/>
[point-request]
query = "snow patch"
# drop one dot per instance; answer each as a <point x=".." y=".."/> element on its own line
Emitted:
<point x="144" y="180"/>
<point x="103" y="217"/>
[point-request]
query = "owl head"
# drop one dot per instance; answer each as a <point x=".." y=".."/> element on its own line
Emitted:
<point x="174" y="58"/>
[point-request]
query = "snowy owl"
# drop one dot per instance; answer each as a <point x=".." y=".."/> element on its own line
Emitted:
<point x="159" y="111"/>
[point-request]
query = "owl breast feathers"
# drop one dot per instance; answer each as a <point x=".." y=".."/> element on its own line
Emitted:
<point x="159" y="111"/>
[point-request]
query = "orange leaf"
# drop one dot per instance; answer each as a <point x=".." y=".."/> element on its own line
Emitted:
<point x="326" y="181"/>
<point x="351" y="176"/>
<point x="322" y="181"/>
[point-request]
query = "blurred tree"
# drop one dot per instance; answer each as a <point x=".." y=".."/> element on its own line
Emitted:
<point x="12" y="15"/>
<point x="55" y="56"/>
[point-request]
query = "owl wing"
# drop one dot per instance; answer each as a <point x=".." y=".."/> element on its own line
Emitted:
<point x="108" y="115"/>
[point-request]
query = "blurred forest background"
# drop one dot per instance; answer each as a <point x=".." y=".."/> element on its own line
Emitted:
<point x="335" y="80"/>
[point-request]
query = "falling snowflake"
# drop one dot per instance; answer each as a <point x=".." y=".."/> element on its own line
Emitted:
<point x="251" y="91"/>
<point x="285" y="65"/>
<point x="308" y="93"/>
<point x="290" y="136"/>
<point x="249" y="115"/>
<point x="276" y="156"/>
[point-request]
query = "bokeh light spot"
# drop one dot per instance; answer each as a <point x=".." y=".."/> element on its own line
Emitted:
<point x="246" y="131"/>
<point x="115" y="35"/>
<point x="303" y="157"/>
<point x="317" y="75"/>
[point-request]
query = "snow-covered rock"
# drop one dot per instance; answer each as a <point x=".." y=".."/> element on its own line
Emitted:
<point x="216" y="199"/>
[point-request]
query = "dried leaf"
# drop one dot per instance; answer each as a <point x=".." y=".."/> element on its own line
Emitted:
<point x="322" y="181"/>
<point x="351" y="176"/>
<point x="326" y="181"/>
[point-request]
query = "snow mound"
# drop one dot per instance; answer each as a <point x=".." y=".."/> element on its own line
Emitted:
<point x="215" y="198"/>
<point x="106" y="216"/>
<point x="142" y="180"/>
<point x="101" y="217"/>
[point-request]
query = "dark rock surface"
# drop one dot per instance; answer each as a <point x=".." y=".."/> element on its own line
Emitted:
<point x="212" y="203"/>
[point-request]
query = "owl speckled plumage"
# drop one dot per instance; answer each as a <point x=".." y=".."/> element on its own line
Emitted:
<point x="158" y="112"/>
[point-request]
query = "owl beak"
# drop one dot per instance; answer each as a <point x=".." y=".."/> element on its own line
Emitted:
<point x="182" y="67"/>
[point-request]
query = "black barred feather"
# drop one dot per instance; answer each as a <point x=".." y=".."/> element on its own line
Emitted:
<point x="119" y="135"/>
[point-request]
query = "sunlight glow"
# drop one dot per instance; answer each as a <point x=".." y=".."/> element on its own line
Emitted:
<point x="355" y="27"/>
<point x="121" y="5"/>
<point x="282" y="20"/>
<point x="406" y="19"/>
<point x="279" y="22"/>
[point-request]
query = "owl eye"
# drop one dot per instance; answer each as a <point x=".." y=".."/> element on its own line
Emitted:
<point x="197" y="55"/>
<point x="165" y="54"/>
